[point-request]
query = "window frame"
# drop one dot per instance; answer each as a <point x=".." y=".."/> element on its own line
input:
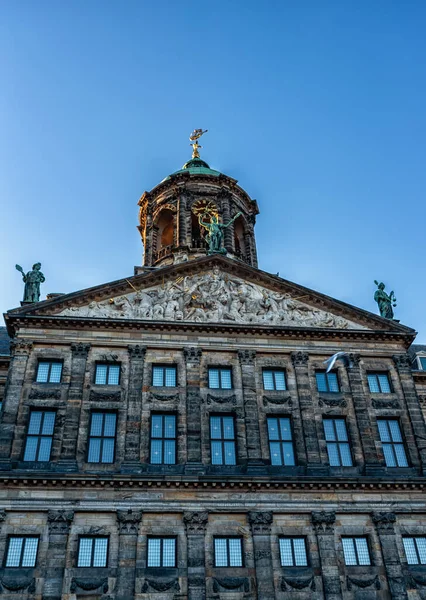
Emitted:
<point x="39" y="436"/>
<point x="24" y="537"/>
<point x="102" y="437"/>
<point x="419" y="563"/>
<point x="338" y="442"/>
<point x="228" y="555"/>
<point x="358" y="537"/>
<point x="163" y="438"/>
<point x="164" y="367"/>
<point x="291" y="538"/>
<point x="376" y="375"/>
<point x="162" y="538"/>
<point x="50" y="362"/>
<point x="274" y="370"/>
<point x="222" y="440"/>
<point x="392" y="443"/>
<point x="280" y="440"/>
<point x="328" y="390"/>
<point x="220" y="369"/>
<point x="92" y="554"/>
<point x="107" y="365"/>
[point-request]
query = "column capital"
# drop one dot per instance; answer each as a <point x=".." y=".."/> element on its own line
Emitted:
<point x="299" y="359"/>
<point x="323" y="521"/>
<point x="136" y="351"/>
<point x="384" y="521"/>
<point x="20" y="347"/>
<point x="80" y="350"/>
<point x="247" y="357"/>
<point x="195" y="522"/>
<point x="402" y="362"/>
<point x="192" y="354"/>
<point x="2" y="516"/>
<point x="128" y="521"/>
<point x="59" y="521"/>
<point x="260" y="522"/>
<point x="354" y="360"/>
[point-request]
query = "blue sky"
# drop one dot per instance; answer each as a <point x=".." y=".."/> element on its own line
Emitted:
<point x="317" y="108"/>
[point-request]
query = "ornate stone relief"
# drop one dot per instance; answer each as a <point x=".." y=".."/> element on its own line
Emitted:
<point x="128" y="521"/>
<point x="158" y="585"/>
<point x="14" y="584"/>
<point x="279" y="401"/>
<point x="222" y="399"/>
<point x="260" y="522"/>
<point x="60" y="521"/>
<point x="231" y="583"/>
<point x="89" y="584"/>
<point x="215" y="297"/>
<point x="362" y="582"/>
<point x="323" y="521"/>
<point x="298" y="583"/>
<point x="152" y="397"/>
<point x="195" y="522"/>
<point x="385" y="404"/>
<point x="332" y="402"/>
<point x="36" y="394"/>
<point x="384" y="521"/>
<point x="104" y="396"/>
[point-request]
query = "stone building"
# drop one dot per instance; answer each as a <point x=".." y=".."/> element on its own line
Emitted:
<point x="174" y="435"/>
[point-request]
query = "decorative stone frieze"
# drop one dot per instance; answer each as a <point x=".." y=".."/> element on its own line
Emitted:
<point x="195" y="522"/>
<point x="89" y="584"/>
<point x="384" y="521"/>
<point x="260" y="522"/>
<point x="402" y="362"/>
<point x="136" y="351"/>
<point x="247" y="357"/>
<point x="20" y="346"/>
<point x="298" y="583"/>
<point x="192" y="354"/>
<point x="37" y="394"/>
<point x="81" y="350"/>
<point x="332" y="402"/>
<point x="279" y="401"/>
<point x="299" y="359"/>
<point x="17" y="583"/>
<point x="323" y="521"/>
<point x="97" y="396"/>
<point x="128" y="521"/>
<point x="381" y="404"/>
<point x="231" y="400"/>
<point x="59" y="521"/>
<point x="160" y="585"/>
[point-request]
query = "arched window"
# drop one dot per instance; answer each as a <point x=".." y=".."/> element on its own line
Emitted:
<point x="197" y="238"/>
<point x="165" y="227"/>
<point x="239" y="238"/>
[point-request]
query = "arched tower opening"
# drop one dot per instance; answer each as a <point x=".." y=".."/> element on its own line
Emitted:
<point x="165" y="227"/>
<point x="241" y="251"/>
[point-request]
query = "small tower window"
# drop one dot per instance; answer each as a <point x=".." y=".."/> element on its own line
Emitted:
<point x="165" y="225"/>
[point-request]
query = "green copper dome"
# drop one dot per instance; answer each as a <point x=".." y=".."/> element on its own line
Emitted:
<point x="196" y="166"/>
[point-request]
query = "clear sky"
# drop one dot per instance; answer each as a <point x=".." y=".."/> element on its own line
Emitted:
<point x="318" y="108"/>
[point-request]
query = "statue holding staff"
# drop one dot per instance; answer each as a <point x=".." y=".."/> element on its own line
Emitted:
<point x="32" y="282"/>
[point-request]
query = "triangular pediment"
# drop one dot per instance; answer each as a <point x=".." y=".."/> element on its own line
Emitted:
<point x="212" y="290"/>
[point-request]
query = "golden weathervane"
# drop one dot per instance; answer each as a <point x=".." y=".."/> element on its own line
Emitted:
<point x="194" y="137"/>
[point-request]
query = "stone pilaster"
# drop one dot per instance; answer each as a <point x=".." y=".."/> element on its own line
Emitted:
<point x="20" y="350"/>
<point x="134" y="409"/>
<point x="181" y="220"/>
<point x="261" y="523"/>
<point x="196" y="523"/>
<point x="403" y="365"/>
<point x="365" y="427"/>
<point x="128" y="528"/>
<point x="247" y="360"/>
<point x="68" y="460"/>
<point x="384" y="522"/>
<point x="193" y="408"/>
<point x="228" y="236"/>
<point x="59" y="522"/>
<point x="307" y="410"/>
<point x="323" y="523"/>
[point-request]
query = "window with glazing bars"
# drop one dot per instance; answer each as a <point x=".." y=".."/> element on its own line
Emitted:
<point x="336" y="436"/>
<point x="49" y="372"/>
<point x="222" y="436"/>
<point x="107" y="374"/>
<point x="163" y="376"/>
<point x="161" y="552"/>
<point x="21" y="551"/>
<point x="39" y="436"/>
<point x="163" y="439"/>
<point x="415" y="550"/>
<point x="355" y="550"/>
<point x="392" y="442"/>
<point x="379" y="383"/>
<point x="280" y="441"/>
<point x="220" y="378"/>
<point x="422" y="361"/>
<point x="293" y="552"/>
<point x="228" y="552"/>
<point x="93" y="551"/>
<point x="327" y="382"/>
<point x="102" y="438"/>
<point x="274" y="379"/>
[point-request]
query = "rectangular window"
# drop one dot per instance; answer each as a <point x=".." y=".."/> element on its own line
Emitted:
<point x="21" y="551"/>
<point x="392" y="442"/>
<point x="49" y="372"/>
<point x="164" y="376"/>
<point x="293" y="552"/>
<point x="93" y="552"/>
<point x="107" y="374"/>
<point x="356" y="551"/>
<point x="163" y="439"/>
<point x="280" y="441"/>
<point x="379" y="383"/>
<point x="274" y="379"/>
<point x="222" y="436"/>
<point x="327" y="382"/>
<point x="228" y="552"/>
<point x="422" y="361"/>
<point x="220" y="378"/>
<point x="39" y="436"/>
<point x="102" y="438"/>
<point x="161" y="552"/>
<point x="336" y="436"/>
<point x="415" y="550"/>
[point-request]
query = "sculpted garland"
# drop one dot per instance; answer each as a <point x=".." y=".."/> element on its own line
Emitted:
<point x="211" y="297"/>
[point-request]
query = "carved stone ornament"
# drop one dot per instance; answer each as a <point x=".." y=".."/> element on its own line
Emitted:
<point x="362" y="583"/>
<point x="260" y="522"/>
<point x="152" y="397"/>
<point x="415" y="580"/>
<point x="159" y="585"/>
<point x="89" y="584"/>
<point x="402" y="362"/>
<point x="262" y="554"/>
<point x="20" y="346"/>
<point x="323" y="521"/>
<point x="247" y="357"/>
<point x="2" y="516"/>
<point x="59" y="521"/>
<point x="214" y="297"/>
<point x="80" y="350"/>
<point x="192" y="354"/>
<point x="384" y="521"/>
<point x="299" y="359"/>
<point x="221" y="399"/>
<point x="279" y="401"/>
<point x="128" y="521"/>
<point x="378" y="404"/>
<point x="136" y="351"/>
<point x="36" y="394"/>
<point x="332" y="402"/>
<point x="298" y="583"/>
<point x="15" y="584"/>
<point x="96" y="396"/>
<point x="231" y="583"/>
<point x="196" y="522"/>
<point x="354" y="359"/>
